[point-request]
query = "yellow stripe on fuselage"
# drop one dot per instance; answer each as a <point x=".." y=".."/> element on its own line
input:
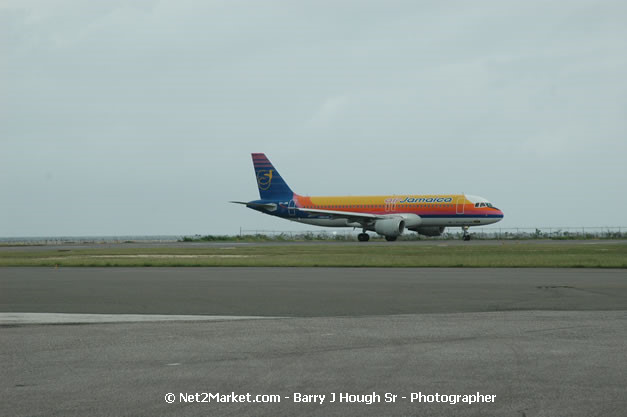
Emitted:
<point x="388" y="199"/>
<point x="433" y="204"/>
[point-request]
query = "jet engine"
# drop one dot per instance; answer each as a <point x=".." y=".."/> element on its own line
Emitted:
<point x="430" y="230"/>
<point x="411" y="220"/>
<point x="390" y="227"/>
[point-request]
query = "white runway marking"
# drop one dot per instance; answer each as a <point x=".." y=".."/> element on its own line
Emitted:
<point x="71" y="318"/>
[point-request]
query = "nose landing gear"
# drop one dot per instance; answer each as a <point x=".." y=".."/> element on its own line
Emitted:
<point x="466" y="234"/>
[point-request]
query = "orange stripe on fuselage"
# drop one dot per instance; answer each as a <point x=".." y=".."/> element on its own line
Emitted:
<point x="392" y="204"/>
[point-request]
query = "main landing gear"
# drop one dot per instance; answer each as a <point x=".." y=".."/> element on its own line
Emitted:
<point x="364" y="237"/>
<point x="466" y="234"/>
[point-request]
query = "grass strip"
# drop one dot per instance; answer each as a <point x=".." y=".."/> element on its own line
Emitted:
<point x="359" y="255"/>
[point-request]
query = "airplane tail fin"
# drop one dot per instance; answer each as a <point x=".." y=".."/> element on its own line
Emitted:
<point x="271" y="184"/>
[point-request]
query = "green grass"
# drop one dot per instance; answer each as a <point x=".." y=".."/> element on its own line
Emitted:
<point x="500" y="254"/>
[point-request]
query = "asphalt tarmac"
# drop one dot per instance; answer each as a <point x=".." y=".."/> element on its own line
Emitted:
<point x="308" y="292"/>
<point x="542" y="341"/>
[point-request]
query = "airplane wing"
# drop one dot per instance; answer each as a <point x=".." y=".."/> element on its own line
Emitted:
<point x="350" y="215"/>
<point x="366" y="219"/>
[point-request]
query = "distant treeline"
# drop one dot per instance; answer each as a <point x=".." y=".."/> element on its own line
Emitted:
<point x="491" y="234"/>
<point x="261" y="237"/>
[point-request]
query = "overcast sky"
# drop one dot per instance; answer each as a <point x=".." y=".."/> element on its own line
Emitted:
<point x="139" y="117"/>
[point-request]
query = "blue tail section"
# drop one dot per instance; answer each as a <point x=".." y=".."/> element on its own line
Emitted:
<point x="271" y="185"/>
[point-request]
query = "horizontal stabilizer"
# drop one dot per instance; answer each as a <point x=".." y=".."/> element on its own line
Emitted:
<point x="267" y="206"/>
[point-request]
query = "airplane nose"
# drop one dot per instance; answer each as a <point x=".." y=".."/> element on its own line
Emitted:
<point x="501" y="214"/>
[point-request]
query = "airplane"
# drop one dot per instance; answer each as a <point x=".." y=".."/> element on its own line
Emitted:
<point x="388" y="216"/>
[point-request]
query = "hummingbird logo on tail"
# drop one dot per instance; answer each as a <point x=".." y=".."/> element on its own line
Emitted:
<point x="264" y="179"/>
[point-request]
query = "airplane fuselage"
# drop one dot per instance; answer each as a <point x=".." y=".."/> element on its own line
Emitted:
<point x="433" y="210"/>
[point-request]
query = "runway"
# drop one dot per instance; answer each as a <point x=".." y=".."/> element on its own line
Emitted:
<point x="308" y="292"/>
<point x="542" y="341"/>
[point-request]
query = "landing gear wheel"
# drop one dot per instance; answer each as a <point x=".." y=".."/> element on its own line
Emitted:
<point x="390" y="238"/>
<point x="363" y="237"/>
<point x="466" y="237"/>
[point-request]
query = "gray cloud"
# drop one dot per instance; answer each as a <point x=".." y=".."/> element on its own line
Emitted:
<point x="138" y="117"/>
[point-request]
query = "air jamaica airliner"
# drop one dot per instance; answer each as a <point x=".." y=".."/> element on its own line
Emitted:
<point x="388" y="216"/>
